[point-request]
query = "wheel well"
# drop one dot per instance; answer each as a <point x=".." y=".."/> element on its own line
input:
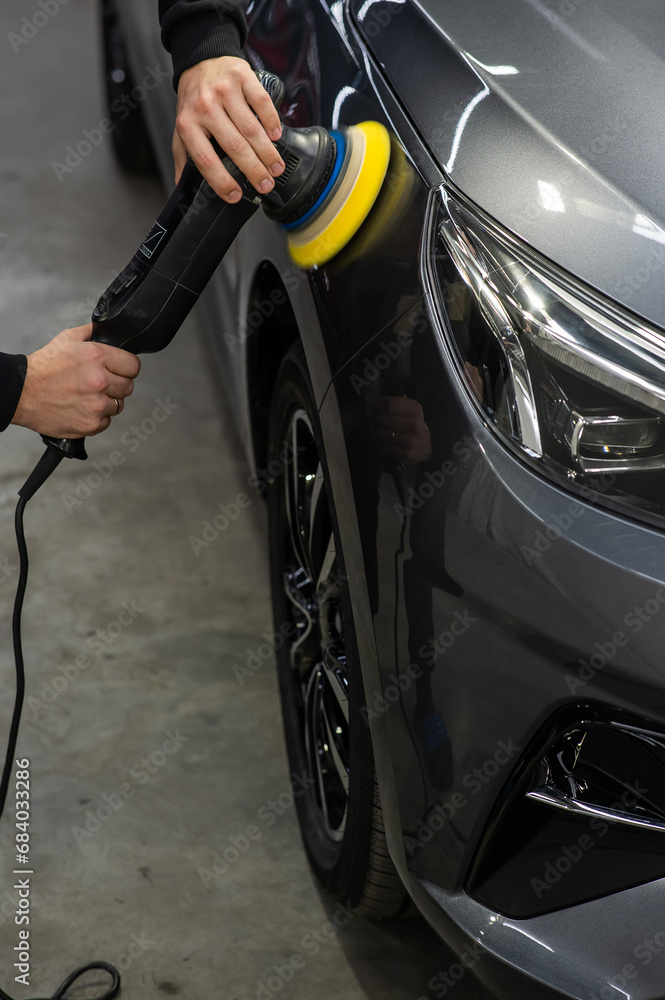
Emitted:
<point x="271" y="330"/>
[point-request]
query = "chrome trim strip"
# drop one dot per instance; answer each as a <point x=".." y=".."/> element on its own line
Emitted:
<point x="557" y="800"/>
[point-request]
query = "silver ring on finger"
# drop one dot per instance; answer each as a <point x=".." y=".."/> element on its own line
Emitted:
<point x="117" y="408"/>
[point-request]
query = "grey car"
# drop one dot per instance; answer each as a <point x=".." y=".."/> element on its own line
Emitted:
<point x="459" y="428"/>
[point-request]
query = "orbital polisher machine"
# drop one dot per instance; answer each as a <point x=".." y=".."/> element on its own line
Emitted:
<point x="326" y="191"/>
<point x="330" y="182"/>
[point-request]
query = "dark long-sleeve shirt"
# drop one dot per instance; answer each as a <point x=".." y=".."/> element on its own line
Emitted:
<point x="193" y="30"/>
<point x="12" y="376"/>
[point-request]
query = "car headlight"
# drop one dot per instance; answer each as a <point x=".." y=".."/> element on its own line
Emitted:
<point x="569" y="381"/>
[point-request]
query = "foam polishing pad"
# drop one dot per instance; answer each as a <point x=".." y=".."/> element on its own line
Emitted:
<point x="363" y="154"/>
<point x="389" y="211"/>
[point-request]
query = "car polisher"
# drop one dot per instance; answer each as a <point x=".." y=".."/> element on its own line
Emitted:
<point x="325" y="193"/>
<point x="330" y="182"/>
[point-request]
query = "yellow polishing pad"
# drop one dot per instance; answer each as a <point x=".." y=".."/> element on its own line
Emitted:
<point x="394" y="200"/>
<point x="351" y="201"/>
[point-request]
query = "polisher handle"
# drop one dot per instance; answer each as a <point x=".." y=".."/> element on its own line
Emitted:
<point x="145" y="306"/>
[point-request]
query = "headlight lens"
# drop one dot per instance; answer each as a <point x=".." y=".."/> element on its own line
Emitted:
<point x="566" y="379"/>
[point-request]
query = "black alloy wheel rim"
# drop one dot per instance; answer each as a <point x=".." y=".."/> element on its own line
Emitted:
<point x="315" y="611"/>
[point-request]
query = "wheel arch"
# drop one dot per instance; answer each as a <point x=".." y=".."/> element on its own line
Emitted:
<point x="271" y="329"/>
<point x="264" y="347"/>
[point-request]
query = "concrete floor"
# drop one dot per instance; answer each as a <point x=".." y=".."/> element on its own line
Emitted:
<point x="132" y="887"/>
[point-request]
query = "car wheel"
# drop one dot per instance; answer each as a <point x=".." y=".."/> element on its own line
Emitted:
<point x="329" y="745"/>
<point x="131" y="141"/>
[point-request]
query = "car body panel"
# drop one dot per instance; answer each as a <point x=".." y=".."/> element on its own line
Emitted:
<point x="529" y="628"/>
<point x="524" y="622"/>
<point x="479" y="552"/>
<point x="622" y="937"/>
<point x="350" y="293"/>
<point x="530" y="108"/>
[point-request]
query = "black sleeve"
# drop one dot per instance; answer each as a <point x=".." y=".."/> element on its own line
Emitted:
<point x="13" y="368"/>
<point x="193" y="30"/>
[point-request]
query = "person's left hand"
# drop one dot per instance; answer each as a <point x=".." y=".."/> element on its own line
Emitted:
<point x="221" y="98"/>
<point x="399" y="428"/>
<point x="74" y="387"/>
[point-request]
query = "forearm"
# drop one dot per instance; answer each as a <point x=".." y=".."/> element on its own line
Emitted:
<point x="13" y="368"/>
<point x="194" y="30"/>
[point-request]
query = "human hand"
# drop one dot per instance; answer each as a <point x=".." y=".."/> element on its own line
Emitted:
<point x="72" y="385"/>
<point x="399" y="428"/>
<point x="220" y="98"/>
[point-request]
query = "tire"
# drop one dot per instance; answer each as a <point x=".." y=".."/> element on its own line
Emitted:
<point x="328" y="743"/>
<point x="131" y="140"/>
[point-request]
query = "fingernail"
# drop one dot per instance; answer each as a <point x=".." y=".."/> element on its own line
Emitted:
<point x="276" y="134"/>
<point x="276" y="169"/>
<point x="235" y="196"/>
<point x="267" y="185"/>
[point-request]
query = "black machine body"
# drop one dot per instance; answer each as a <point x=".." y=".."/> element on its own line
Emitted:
<point x="145" y="305"/>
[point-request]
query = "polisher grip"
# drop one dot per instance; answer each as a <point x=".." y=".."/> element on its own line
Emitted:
<point x="146" y="304"/>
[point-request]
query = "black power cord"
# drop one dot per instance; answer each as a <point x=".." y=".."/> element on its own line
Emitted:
<point x="18" y="651"/>
<point x="48" y="462"/>
<point x="113" y="990"/>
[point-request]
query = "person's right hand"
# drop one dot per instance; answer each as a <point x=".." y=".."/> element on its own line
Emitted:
<point x="72" y="385"/>
<point x="221" y="98"/>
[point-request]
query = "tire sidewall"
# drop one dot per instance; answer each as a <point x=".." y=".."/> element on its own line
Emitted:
<point x="340" y="867"/>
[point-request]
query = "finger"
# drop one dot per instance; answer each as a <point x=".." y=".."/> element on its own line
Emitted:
<point x="398" y="405"/>
<point x="119" y="362"/>
<point x="235" y="131"/>
<point x="387" y="422"/>
<point x="115" y="406"/>
<point x="393" y="447"/>
<point x="262" y="105"/>
<point x="381" y="404"/>
<point x="104" y="424"/>
<point x="265" y="157"/>
<point x="391" y="437"/>
<point x="208" y="162"/>
<point x="179" y="154"/>
<point x="119" y="387"/>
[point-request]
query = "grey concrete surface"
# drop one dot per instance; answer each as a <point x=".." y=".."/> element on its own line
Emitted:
<point x="147" y="756"/>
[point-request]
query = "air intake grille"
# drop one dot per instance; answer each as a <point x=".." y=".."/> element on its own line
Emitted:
<point x="290" y="165"/>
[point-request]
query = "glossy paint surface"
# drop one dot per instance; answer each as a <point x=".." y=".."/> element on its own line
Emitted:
<point x="477" y="615"/>
<point x="549" y="115"/>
